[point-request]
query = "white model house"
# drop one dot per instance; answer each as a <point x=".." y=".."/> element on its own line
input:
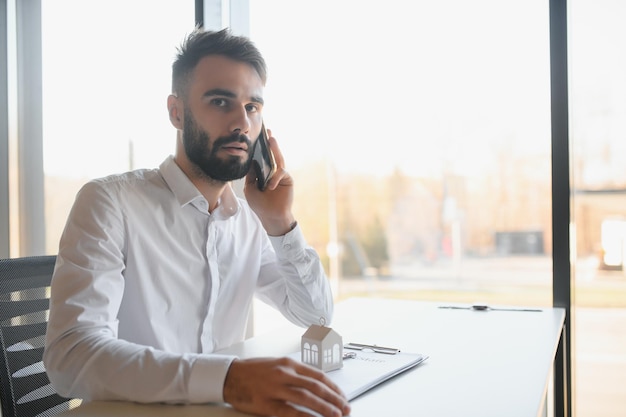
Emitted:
<point x="322" y="347"/>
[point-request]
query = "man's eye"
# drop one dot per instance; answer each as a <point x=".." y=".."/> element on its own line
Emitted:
<point x="252" y="108"/>
<point x="219" y="102"/>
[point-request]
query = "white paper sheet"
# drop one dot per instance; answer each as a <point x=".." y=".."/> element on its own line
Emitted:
<point x="368" y="369"/>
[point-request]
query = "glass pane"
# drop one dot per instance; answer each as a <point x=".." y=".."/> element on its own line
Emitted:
<point x="106" y="78"/>
<point x="598" y="129"/>
<point x="419" y="137"/>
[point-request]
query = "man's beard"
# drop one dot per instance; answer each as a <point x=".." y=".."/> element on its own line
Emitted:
<point x="204" y="156"/>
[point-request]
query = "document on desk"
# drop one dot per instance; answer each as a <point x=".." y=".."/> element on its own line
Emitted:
<point x="368" y="369"/>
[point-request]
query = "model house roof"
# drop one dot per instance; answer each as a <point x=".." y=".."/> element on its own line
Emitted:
<point x="316" y="332"/>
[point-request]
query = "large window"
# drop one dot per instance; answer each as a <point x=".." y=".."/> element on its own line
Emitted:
<point x="105" y="86"/>
<point x="420" y="140"/>
<point x="419" y="136"/>
<point x="598" y="137"/>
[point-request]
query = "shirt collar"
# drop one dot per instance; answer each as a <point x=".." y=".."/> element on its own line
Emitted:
<point x="186" y="193"/>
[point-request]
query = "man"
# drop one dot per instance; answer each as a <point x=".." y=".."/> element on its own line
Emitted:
<point x="156" y="269"/>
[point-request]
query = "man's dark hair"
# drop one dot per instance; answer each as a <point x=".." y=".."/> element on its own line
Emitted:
<point x="201" y="43"/>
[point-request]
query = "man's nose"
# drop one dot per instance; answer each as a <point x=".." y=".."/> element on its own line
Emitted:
<point x="240" y="121"/>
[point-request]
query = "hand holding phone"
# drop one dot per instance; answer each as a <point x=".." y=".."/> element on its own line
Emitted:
<point x="263" y="160"/>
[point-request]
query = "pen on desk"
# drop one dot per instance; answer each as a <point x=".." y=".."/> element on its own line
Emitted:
<point x="484" y="307"/>
<point x="375" y="348"/>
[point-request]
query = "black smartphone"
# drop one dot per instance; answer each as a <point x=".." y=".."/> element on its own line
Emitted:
<point x="263" y="160"/>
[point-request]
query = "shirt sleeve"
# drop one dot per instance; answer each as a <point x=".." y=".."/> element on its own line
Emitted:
<point x="294" y="282"/>
<point x="83" y="356"/>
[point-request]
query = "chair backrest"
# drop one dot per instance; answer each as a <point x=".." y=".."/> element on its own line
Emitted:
<point x="25" y="390"/>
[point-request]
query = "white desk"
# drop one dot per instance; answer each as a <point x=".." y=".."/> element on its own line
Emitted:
<point x="482" y="363"/>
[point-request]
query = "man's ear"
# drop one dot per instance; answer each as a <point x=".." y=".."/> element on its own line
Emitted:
<point x="175" y="110"/>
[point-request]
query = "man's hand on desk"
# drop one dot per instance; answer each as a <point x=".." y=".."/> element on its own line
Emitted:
<point x="268" y="387"/>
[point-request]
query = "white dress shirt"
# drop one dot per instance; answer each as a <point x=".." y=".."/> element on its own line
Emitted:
<point x="148" y="284"/>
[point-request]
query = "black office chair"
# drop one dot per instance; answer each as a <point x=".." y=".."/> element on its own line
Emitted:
<point x="24" y="302"/>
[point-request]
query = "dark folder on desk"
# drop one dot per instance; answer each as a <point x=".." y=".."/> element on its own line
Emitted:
<point x="368" y="369"/>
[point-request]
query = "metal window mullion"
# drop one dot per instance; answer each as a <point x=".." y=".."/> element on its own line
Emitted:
<point x="5" y="227"/>
<point x="561" y="213"/>
<point x="239" y="19"/>
<point x="199" y="13"/>
<point x="218" y="14"/>
<point x="29" y="129"/>
<point x="213" y="14"/>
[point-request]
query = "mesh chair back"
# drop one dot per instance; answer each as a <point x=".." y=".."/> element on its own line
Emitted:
<point x="24" y="302"/>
